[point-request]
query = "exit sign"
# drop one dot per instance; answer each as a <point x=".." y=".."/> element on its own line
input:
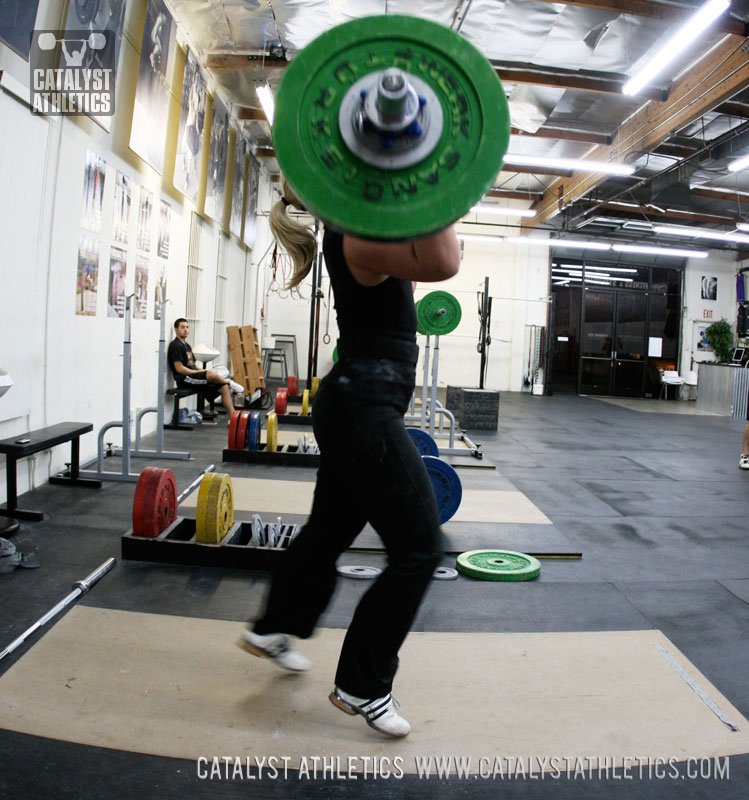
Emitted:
<point x="707" y="313"/>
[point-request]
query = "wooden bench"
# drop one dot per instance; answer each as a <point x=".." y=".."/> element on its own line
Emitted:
<point x="26" y="444"/>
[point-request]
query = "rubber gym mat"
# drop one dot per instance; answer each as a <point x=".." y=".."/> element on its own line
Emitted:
<point x="179" y="687"/>
<point x="295" y="497"/>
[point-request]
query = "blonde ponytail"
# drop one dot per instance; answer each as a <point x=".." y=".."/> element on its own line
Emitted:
<point x="298" y="240"/>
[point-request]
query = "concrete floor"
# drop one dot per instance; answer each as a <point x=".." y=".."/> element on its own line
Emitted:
<point x="654" y="501"/>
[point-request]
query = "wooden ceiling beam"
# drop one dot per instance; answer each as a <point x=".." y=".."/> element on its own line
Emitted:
<point x="733" y="110"/>
<point x="671" y="213"/>
<point x="511" y="194"/>
<point x="521" y="168"/>
<point x="548" y="132"/>
<point x="245" y="113"/>
<point x="714" y="79"/>
<point x="585" y="80"/>
<point x="732" y="197"/>
<point x="246" y="61"/>
<point x="657" y="11"/>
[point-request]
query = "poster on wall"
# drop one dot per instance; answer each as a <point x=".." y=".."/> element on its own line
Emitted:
<point x="165" y="212"/>
<point x="216" y="182"/>
<point x="141" y="287"/>
<point x="87" y="279"/>
<point x="17" y="18"/>
<point x="93" y="16"/>
<point x="250" y="217"/>
<point x="237" y="193"/>
<point x="145" y="212"/>
<point x="702" y="344"/>
<point x="117" y="275"/>
<point x="160" y="294"/>
<point x="151" y="109"/>
<point x="709" y="287"/>
<point x="190" y="138"/>
<point x="93" y="192"/>
<point x="123" y="198"/>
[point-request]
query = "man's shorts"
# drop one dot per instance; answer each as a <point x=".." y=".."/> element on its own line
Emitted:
<point x="199" y="382"/>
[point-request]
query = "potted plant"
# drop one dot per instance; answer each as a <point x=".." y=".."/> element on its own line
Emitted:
<point x="720" y="337"/>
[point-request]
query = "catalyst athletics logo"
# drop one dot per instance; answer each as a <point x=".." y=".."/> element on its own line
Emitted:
<point x="72" y="72"/>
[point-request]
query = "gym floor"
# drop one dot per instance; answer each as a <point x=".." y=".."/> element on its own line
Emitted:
<point x="651" y="496"/>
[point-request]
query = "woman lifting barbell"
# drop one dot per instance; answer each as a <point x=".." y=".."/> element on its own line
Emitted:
<point x="370" y="469"/>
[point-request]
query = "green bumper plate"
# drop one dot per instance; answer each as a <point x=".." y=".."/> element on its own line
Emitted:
<point x="498" y="565"/>
<point x="371" y="201"/>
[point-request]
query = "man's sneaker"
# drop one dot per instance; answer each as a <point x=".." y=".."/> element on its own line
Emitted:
<point x="744" y="462"/>
<point x="275" y="646"/>
<point x="237" y="388"/>
<point x="379" y="714"/>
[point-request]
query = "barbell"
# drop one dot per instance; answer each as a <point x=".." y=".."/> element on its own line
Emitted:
<point x="47" y="41"/>
<point x="390" y="127"/>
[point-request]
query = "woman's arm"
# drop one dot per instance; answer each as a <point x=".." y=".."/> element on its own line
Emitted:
<point x="433" y="258"/>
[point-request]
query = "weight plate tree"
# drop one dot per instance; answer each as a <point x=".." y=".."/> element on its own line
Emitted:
<point x="390" y="127"/>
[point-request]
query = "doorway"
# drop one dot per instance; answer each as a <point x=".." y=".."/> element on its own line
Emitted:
<point x="612" y="328"/>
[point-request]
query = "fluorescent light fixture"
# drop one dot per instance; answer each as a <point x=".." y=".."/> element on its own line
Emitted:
<point x="566" y="243"/>
<point x="700" y="233"/>
<point x="501" y="211"/>
<point x="737" y="166"/>
<point x="265" y="96"/>
<point x="742" y="226"/>
<point x="609" y="167"/>
<point x="659" y="251"/>
<point x="596" y="267"/>
<point x="477" y="237"/>
<point x="692" y="29"/>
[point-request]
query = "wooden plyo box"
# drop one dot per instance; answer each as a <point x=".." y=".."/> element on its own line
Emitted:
<point x="245" y="357"/>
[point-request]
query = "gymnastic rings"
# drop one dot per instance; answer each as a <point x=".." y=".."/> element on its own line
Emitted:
<point x="326" y="335"/>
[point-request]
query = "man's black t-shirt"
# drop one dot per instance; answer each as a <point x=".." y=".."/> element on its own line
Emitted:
<point x="180" y="351"/>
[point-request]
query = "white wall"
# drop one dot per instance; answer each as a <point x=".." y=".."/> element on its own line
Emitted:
<point x="69" y="367"/>
<point x="518" y="282"/>
<point x="724" y="266"/>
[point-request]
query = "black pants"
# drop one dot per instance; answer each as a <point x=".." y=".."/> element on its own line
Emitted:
<point x="370" y="471"/>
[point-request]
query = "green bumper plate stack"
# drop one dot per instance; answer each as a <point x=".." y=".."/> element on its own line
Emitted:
<point x="498" y="565"/>
<point x="468" y="139"/>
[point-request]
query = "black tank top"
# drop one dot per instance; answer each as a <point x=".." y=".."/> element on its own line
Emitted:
<point x="369" y="314"/>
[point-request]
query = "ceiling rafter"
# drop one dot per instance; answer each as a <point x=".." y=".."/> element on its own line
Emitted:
<point x="658" y="11"/>
<point x="515" y="194"/>
<point x="713" y="80"/>
<point x="568" y="134"/>
<point x="584" y="79"/>
<point x="638" y="212"/>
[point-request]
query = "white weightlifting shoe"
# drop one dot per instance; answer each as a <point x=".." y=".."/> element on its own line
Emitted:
<point x="237" y="388"/>
<point x="379" y="714"/>
<point x="275" y="646"/>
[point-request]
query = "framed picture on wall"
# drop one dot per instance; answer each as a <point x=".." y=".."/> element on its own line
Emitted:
<point x="17" y="18"/>
<point x="709" y="287"/>
<point x="148" y="131"/>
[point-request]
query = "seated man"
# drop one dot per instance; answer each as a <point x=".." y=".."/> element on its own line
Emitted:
<point x="209" y="383"/>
